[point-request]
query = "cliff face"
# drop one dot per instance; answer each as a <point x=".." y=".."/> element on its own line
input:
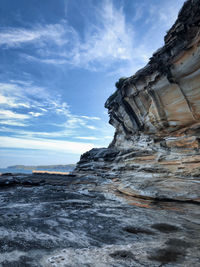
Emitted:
<point x="163" y="97"/>
<point x="156" y="113"/>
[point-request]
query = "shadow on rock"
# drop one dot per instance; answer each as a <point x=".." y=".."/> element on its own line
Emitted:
<point x="122" y="255"/>
<point x="136" y="230"/>
<point x="165" y="228"/>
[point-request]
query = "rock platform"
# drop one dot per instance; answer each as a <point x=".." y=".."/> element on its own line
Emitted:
<point x="56" y="220"/>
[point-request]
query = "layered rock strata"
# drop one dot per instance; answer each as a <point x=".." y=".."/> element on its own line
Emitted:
<point x="155" y="152"/>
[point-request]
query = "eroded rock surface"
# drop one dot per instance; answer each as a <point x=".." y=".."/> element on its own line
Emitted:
<point x="85" y="221"/>
<point x="155" y="152"/>
<point x="154" y="158"/>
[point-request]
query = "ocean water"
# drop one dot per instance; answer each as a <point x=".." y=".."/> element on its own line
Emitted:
<point x="4" y="170"/>
<point x="12" y="170"/>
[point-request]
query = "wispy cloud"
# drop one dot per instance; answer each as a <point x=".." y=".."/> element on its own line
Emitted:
<point x="164" y="14"/>
<point x="90" y="118"/>
<point x="107" y="41"/>
<point x="108" y="38"/>
<point x="45" y="144"/>
<point x="154" y="22"/>
<point x="8" y="117"/>
<point x="87" y="137"/>
<point x="20" y="102"/>
<point x="27" y="104"/>
<point x="91" y="127"/>
<point x="13" y="122"/>
<point x="12" y="102"/>
<point x="35" y="114"/>
<point x="111" y="40"/>
<point x="100" y="137"/>
<point x="15" y="94"/>
<point x="21" y="133"/>
<point x="12" y="37"/>
<point x="8" y="114"/>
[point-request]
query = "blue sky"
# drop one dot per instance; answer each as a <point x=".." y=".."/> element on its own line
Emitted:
<point x="59" y="61"/>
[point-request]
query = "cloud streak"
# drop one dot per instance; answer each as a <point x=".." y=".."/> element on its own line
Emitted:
<point x="106" y="40"/>
<point x="8" y="114"/>
<point x="24" y="105"/>
<point x="45" y="144"/>
<point x="14" y="37"/>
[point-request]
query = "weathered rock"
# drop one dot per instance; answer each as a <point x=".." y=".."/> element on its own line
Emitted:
<point x="86" y="221"/>
<point x="155" y="152"/>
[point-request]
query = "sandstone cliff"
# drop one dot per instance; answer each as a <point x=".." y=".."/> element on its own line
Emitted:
<point x="155" y="152"/>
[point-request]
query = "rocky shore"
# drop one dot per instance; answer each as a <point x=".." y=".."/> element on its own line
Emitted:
<point x="135" y="203"/>
<point x="49" y="220"/>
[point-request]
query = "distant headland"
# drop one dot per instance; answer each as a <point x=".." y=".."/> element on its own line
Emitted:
<point x="43" y="167"/>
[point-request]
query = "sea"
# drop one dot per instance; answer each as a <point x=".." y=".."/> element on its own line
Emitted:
<point x="13" y="170"/>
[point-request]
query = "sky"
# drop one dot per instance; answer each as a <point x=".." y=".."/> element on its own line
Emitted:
<point x="59" y="61"/>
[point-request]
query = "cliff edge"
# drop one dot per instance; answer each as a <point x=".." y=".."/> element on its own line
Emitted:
<point x="155" y="152"/>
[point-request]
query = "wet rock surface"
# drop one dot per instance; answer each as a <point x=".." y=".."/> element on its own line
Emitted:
<point x="73" y="221"/>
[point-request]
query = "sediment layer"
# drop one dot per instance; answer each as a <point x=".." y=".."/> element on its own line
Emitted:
<point x="156" y="113"/>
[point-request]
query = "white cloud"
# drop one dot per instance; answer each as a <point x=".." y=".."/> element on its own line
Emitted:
<point x="91" y="127"/>
<point x="12" y="37"/>
<point x="45" y="144"/>
<point x="87" y="138"/>
<point x="50" y="60"/>
<point x="41" y="102"/>
<point x="9" y="96"/>
<point x="12" y="102"/>
<point x="90" y="118"/>
<point x="155" y="21"/>
<point x="107" y="41"/>
<point x="34" y="101"/>
<point x="112" y="39"/>
<point x="20" y="94"/>
<point x="13" y="123"/>
<point x="8" y="114"/>
<point x="35" y="114"/>
<point x="22" y="102"/>
<point x="20" y="133"/>
<point x="164" y="14"/>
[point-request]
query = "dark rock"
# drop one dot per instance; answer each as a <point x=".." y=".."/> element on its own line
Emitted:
<point x="179" y="243"/>
<point x="122" y="254"/>
<point x="134" y="230"/>
<point x="167" y="255"/>
<point x="165" y="228"/>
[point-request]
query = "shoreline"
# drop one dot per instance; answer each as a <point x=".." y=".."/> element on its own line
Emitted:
<point x="50" y="172"/>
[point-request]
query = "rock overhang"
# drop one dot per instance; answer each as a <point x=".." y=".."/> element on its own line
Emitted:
<point x="164" y="96"/>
